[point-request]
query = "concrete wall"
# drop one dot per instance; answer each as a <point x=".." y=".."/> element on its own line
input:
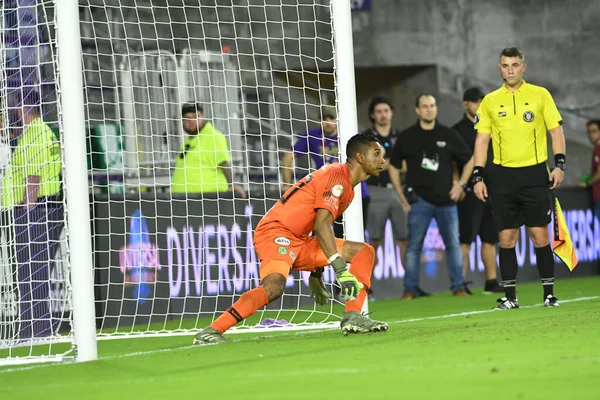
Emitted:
<point x="462" y="39"/>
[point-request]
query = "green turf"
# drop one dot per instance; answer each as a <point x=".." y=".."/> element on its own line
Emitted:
<point x="531" y="353"/>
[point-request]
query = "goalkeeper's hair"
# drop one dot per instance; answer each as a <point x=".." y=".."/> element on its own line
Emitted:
<point x="360" y="143"/>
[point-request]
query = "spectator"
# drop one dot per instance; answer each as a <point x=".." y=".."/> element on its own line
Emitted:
<point x="203" y="164"/>
<point x="430" y="150"/>
<point x="323" y="147"/>
<point x="32" y="194"/>
<point x="474" y="216"/>
<point x="593" y="131"/>
<point x="385" y="203"/>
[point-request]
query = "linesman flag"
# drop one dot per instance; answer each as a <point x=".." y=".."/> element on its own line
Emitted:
<point x="561" y="242"/>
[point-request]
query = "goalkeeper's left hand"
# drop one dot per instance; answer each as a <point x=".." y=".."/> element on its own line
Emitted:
<point x="318" y="291"/>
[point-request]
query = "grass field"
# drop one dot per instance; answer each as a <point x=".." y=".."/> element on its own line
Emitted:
<point x="436" y="348"/>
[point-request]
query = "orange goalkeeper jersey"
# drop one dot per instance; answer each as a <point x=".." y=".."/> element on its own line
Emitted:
<point x="328" y="188"/>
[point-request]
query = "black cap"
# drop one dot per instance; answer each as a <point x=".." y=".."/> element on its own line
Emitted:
<point x="191" y="108"/>
<point x="473" y="94"/>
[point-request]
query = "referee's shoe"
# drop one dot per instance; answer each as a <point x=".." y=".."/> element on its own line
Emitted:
<point x="505" y="303"/>
<point x="551" y="301"/>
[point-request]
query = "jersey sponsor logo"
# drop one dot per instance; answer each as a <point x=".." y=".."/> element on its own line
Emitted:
<point x="282" y="241"/>
<point x="441" y="144"/>
<point x="337" y="190"/>
<point x="528" y="116"/>
<point x="502" y="114"/>
<point x="476" y="120"/>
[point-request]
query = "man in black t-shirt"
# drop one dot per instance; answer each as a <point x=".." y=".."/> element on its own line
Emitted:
<point x="430" y="151"/>
<point x="385" y="203"/>
<point x="474" y="216"/>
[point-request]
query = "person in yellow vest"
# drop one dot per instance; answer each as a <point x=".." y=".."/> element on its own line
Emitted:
<point x="31" y="188"/>
<point x="204" y="163"/>
<point x="515" y="117"/>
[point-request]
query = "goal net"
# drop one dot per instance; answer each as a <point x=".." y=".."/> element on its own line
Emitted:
<point x="35" y="291"/>
<point x="191" y="108"/>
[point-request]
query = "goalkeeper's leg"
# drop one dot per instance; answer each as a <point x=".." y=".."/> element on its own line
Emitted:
<point x="361" y="257"/>
<point x="274" y="275"/>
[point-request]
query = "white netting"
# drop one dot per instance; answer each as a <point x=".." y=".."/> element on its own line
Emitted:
<point x="35" y="306"/>
<point x="168" y="258"/>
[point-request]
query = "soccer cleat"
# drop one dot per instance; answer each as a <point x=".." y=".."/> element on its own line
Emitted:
<point x="506" y="304"/>
<point x="360" y="323"/>
<point x="492" y="286"/>
<point x="209" y="336"/>
<point x="551" y="301"/>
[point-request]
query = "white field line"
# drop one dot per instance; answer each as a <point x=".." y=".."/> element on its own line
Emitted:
<point x="142" y="353"/>
<point x="464" y="314"/>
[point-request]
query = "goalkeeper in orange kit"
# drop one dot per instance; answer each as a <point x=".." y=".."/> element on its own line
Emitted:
<point x="283" y="241"/>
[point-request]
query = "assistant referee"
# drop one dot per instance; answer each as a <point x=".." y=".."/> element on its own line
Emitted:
<point x="516" y="117"/>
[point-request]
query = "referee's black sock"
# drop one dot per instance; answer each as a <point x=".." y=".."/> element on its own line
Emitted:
<point x="545" y="266"/>
<point x="508" y="270"/>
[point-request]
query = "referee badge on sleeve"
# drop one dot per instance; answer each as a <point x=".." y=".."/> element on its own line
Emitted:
<point x="476" y="119"/>
<point x="528" y="116"/>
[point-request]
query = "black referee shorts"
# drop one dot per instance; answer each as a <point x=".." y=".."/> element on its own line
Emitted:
<point x="476" y="218"/>
<point x="520" y="196"/>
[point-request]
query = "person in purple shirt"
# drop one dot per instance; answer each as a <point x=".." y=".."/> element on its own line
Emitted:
<point x="321" y="144"/>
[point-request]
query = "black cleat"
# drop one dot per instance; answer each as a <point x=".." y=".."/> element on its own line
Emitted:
<point x="506" y="304"/>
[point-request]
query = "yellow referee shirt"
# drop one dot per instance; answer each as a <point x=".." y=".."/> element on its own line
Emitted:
<point x="518" y="122"/>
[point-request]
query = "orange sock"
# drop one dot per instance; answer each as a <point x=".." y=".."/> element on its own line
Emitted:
<point x="356" y="304"/>
<point x="247" y="305"/>
<point x="361" y="266"/>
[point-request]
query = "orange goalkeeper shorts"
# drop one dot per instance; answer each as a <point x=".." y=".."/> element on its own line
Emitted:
<point x="274" y="242"/>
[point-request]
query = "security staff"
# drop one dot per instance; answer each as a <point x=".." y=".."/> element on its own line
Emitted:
<point x="430" y="150"/>
<point x="516" y="117"/>
<point x="385" y="203"/>
<point x="475" y="218"/>
<point x="204" y="163"/>
<point x="32" y="193"/>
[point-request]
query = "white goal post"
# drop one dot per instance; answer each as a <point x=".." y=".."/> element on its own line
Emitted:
<point x="157" y="221"/>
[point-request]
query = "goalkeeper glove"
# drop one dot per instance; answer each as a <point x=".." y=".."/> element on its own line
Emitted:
<point x="348" y="283"/>
<point x="318" y="290"/>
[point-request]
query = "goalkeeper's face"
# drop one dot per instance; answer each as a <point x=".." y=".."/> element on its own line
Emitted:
<point x="193" y="122"/>
<point x="373" y="160"/>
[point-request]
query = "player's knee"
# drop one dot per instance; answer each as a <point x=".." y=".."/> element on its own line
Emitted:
<point x="274" y="285"/>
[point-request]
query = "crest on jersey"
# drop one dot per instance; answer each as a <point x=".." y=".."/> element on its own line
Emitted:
<point x="528" y="116"/>
<point x="337" y="190"/>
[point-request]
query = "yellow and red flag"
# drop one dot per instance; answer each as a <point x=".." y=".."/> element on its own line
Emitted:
<point x="561" y="242"/>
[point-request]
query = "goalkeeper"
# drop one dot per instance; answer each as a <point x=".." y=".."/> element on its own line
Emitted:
<point x="283" y="241"/>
